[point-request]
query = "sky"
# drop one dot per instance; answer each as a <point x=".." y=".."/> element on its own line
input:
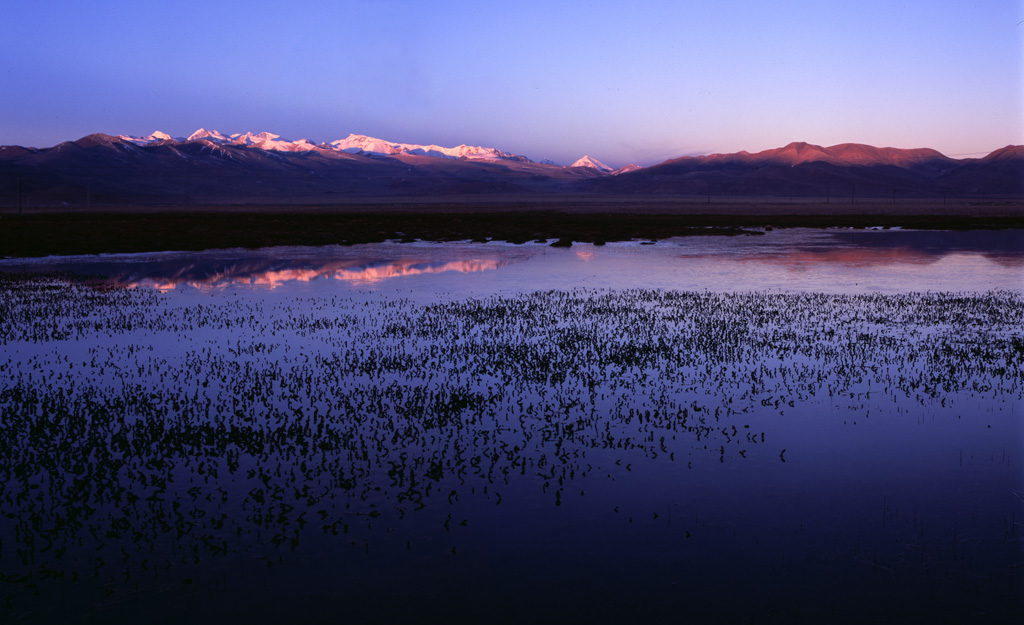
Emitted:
<point x="623" y="82"/>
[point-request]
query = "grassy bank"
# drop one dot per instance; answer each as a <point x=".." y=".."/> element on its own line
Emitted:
<point x="64" y="232"/>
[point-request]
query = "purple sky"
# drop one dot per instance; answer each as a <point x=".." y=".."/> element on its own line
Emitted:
<point x="623" y="82"/>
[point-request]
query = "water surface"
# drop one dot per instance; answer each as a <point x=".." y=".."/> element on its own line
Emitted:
<point x="784" y="427"/>
<point x="832" y="261"/>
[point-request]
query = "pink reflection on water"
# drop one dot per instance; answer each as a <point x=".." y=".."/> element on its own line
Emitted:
<point x="850" y="257"/>
<point x="799" y="259"/>
<point x="347" y="271"/>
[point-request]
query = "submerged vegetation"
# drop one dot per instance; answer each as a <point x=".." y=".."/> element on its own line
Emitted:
<point x="143" y="437"/>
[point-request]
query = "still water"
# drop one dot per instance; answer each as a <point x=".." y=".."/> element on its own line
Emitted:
<point x="804" y="426"/>
<point x="828" y="261"/>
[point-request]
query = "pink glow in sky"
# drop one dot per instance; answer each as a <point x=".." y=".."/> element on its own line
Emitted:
<point x="623" y="82"/>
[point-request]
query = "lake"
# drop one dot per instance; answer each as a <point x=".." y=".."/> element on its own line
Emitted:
<point x="803" y="426"/>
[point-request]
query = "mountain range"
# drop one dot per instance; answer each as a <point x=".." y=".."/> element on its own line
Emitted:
<point x="211" y="168"/>
<point x="352" y="144"/>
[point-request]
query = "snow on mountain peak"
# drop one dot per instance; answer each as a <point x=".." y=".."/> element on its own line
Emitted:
<point x="361" y="143"/>
<point x="625" y="169"/>
<point x="263" y="140"/>
<point x="203" y="133"/>
<point x="370" y="145"/>
<point x="270" y="141"/>
<point x="153" y="138"/>
<point x="592" y="163"/>
<point x="250" y="139"/>
<point x="354" y="144"/>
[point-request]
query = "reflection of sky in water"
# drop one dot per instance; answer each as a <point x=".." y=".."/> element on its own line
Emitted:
<point x="844" y="261"/>
<point x="831" y="448"/>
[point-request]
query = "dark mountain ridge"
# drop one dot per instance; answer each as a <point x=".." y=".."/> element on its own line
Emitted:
<point x="104" y="169"/>
<point x="845" y="170"/>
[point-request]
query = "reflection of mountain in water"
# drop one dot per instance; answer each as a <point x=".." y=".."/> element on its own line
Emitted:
<point x="1002" y="246"/>
<point x="272" y="273"/>
<point x="872" y="248"/>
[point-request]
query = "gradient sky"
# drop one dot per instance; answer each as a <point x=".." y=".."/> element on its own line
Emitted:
<point x="621" y="81"/>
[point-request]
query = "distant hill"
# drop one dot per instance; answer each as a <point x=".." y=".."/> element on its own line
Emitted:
<point x="211" y="168"/>
<point x="849" y="169"/>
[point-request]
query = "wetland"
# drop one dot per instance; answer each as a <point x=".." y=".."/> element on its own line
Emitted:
<point x="803" y="426"/>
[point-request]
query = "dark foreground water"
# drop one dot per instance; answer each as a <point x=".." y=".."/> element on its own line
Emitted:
<point x="785" y="428"/>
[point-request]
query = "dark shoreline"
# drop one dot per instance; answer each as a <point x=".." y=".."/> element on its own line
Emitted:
<point x="77" y="231"/>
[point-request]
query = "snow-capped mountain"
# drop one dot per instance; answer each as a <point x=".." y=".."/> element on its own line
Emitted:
<point x="626" y="169"/>
<point x="361" y="144"/>
<point x="592" y="163"/>
<point x="211" y="135"/>
<point x="263" y="140"/>
<point x="156" y="137"/>
<point x="270" y="141"/>
<point x="352" y="144"/>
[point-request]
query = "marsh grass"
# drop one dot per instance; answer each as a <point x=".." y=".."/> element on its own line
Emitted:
<point x="148" y="443"/>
